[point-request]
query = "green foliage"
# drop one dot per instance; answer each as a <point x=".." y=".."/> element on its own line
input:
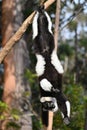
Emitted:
<point x="12" y="125"/>
<point x="37" y="124"/>
<point x="31" y="76"/>
<point x="83" y="42"/>
<point x="72" y="25"/>
<point x="15" y="113"/>
<point x="12" y="115"/>
<point x="65" y="50"/>
<point x="3" y="107"/>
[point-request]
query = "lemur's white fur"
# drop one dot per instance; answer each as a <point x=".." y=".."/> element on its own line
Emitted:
<point x="45" y="85"/>
<point x="44" y="99"/>
<point x="35" y="25"/>
<point x="68" y="108"/>
<point x="49" y="22"/>
<point x="40" y="66"/>
<point x="56" y="63"/>
<point x="55" y="103"/>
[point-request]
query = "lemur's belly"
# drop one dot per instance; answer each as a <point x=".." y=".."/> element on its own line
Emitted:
<point x="43" y="66"/>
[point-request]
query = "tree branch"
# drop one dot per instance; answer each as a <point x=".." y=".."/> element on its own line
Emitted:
<point x="16" y="37"/>
<point x="57" y="18"/>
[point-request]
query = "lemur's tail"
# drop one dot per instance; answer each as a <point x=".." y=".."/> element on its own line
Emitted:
<point x="45" y="117"/>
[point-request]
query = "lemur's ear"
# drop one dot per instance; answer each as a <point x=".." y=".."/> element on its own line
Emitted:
<point x="40" y="8"/>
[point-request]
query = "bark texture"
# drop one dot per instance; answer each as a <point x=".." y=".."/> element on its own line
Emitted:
<point x="21" y="64"/>
<point x="15" y="63"/>
<point x="57" y="18"/>
<point x="9" y="68"/>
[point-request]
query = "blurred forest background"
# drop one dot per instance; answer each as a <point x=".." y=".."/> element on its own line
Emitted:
<point x="22" y="106"/>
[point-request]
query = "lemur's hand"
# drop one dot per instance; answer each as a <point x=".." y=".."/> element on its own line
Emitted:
<point x="40" y="8"/>
<point x="56" y="90"/>
<point x="48" y="105"/>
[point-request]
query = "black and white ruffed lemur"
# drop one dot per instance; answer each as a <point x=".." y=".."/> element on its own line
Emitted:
<point x="48" y="68"/>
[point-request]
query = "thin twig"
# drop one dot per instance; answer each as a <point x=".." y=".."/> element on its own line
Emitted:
<point x="42" y="2"/>
<point x="72" y="17"/>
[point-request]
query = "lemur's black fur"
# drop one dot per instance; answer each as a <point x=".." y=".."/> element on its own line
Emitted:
<point x="44" y="48"/>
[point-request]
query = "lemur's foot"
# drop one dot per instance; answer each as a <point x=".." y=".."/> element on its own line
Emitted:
<point x="66" y="120"/>
<point x="48" y="105"/>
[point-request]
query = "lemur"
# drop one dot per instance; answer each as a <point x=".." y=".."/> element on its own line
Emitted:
<point x="48" y="67"/>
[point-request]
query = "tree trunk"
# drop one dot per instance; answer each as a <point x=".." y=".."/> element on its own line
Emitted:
<point x="15" y="84"/>
<point x="21" y="64"/>
<point x="9" y="69"/>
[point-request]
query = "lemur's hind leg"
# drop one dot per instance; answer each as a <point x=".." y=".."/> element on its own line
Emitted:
<point x="64" y="106"/>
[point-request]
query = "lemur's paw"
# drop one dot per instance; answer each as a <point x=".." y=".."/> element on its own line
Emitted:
<point x="48" y="105"/>
<point x="56" y="90"/>
<point x="66" y="120"/>
<point x="40" y="8"/>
